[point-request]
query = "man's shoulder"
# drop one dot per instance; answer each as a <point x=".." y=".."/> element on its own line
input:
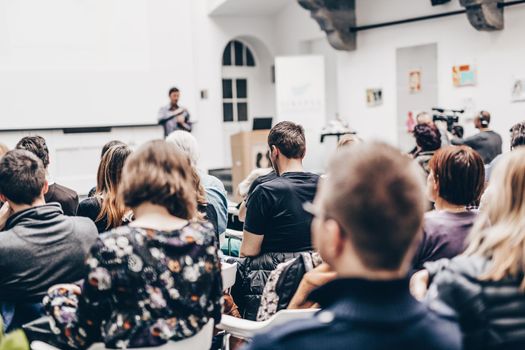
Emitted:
<point x="82" y="225"/>
<point x="288" y="183"/>
<point x="63" y="192"/>
<point x="287" y="336"/>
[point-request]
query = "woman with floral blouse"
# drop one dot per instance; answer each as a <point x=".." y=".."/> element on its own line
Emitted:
<point x="155" y="280"/>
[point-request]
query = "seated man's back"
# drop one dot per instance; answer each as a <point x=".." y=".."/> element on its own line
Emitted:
<point x="275" y="210"/>
<point x="41" y="247"/>
<point x="67" y="198"/>
<point x="363" y="314"/>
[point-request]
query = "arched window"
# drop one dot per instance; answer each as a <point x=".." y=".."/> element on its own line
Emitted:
<point x="237" y="57"/>
<point x="237" y="54"/>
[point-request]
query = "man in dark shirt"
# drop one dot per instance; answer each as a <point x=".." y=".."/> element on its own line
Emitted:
<point x="40" y="246"/>
<point x="487" y="142"/>
<point x="67" y="198"/>
<point x="275" y="218"/>
<point x="367" y="215"/>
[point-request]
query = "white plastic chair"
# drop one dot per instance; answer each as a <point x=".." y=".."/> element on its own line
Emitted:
<point x="200" y="341"/>
<point x="229" y="273"/>
<point x="246" y="329"/>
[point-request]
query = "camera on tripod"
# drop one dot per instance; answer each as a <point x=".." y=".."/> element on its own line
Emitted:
<point x="451" y="117"/>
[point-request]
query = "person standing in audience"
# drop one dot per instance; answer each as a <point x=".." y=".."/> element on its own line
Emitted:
<point x="157" y="279"/>
<point x="517" y="139"/>
<point x="275" y="218"/>
<point x="366" y="222"/>
<point x="105" y="148"/>
<point x="174" y="117"/>
<point x="67" y="198"/>
<point x="456" y="180"/>
<point x="39" y="245"/>
<point x="216" y="195"/>
<point x="104" y="208"/>
<point x="428" y="141"/>
<point x="487" y="142"/>
<point x="485" y="286"/>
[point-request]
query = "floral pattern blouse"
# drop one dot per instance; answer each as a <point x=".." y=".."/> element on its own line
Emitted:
<point x="143" y="288"/>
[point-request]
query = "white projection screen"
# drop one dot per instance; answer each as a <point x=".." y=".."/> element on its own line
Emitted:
<point x="83" y="63"/>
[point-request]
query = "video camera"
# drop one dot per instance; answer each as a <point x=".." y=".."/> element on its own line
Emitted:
<point x="451" y="117"/>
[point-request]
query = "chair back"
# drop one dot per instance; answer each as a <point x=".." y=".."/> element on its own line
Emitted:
<point x="229" y="274"/>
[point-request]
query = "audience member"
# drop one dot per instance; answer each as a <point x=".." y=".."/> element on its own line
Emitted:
<point x="105" y="148"/>
<point x="104" y="208"/>
<point x="67" y="198"/>
<point x="275" y="218"/>
<point x="155" y="280"/>
<point x="517" y="139"/>
<point x="485" y="286"/>
<point x="456" y="180"/>
<point x="428" y="141"/>
<point x="487" y="142"/>
<point x="277" y="228"/>
<point x="365" y="225"/>
<point x="216" y="194"/>
<point x="40" y="246"/>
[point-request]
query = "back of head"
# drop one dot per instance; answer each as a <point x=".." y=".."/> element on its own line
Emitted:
<point x="424" y="118"/>
<point x="428" y="137"/>
<point x="108" y="145"/>
<point x="459" y="173"/>
<point x="499" y="233"/>
<point x="110" y="168"/>
<point x="186" y="143"/>
<point x="376" y="194"/>
<point x="289" y="138"/>
<point x="517" y="135"/>
<point x="22" y="177"/>
<point x="159" y="173"/>
<point x="484" y="119"/>
<point x="36" y="145"/>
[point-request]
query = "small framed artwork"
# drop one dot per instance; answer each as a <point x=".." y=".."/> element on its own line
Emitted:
<point x="463" y="75"/>
<point x="414" y="81"/>
<point x="518" y="90"/>
<point x="374" y="97"/>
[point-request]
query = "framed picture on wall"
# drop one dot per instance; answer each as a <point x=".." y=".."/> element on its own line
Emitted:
<point x="414" y="81"/>
<point x="374" y="97"/>
<point x="463" y="75"/>
<point x="518" y="90"/>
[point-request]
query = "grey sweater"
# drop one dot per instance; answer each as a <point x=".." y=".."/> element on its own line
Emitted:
<point x="39" y="248"/>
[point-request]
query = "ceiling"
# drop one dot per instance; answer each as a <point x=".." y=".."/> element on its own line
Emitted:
<point x="246" y="7"/>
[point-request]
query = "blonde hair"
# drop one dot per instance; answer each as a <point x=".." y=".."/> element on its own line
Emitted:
<point x="347" y="140"/>
<point x="499" y="233"/>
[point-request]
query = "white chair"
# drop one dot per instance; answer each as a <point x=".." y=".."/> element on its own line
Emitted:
<point x="229" y="273"/>
<point x="200" y="341"/>
<point x="246" y="329"/>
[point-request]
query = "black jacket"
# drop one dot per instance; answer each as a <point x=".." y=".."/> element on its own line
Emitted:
<point x="491" y="313"/>
<point x="362" y="314"/>
<point x="252" y="274"/>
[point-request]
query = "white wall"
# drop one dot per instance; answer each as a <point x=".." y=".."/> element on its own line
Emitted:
<point x="498" y="56"/>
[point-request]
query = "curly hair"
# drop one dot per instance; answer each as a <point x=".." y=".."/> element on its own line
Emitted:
<point x="428" y="137"/>
<point x="37" y="146"/>
<point x="517" y="135"/>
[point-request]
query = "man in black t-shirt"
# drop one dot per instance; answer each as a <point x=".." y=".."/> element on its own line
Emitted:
<point x="275" y="218"/>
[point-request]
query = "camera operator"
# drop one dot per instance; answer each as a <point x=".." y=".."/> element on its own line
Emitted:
<point x="487" y="142"/>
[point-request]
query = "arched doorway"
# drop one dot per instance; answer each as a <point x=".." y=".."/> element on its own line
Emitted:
<point x="248" y="89"/>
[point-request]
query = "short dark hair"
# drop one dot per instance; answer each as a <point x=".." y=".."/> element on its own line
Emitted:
<point x="289" y="138"/>
<point x="110" y="144"/>
<point x="484" y="118"/>
<point x="376" y="195"/>
<point x="22" y="176"/>
<point x="517" y="135"/>
<point x="172" y="90"/>
<point x="159" y="173"/>
<point x="459" y="173"/>
<point x="428" y="137"/>
<point x="37" y="146"/>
